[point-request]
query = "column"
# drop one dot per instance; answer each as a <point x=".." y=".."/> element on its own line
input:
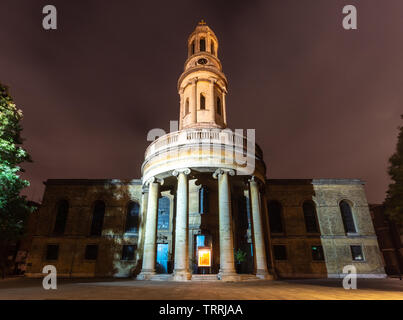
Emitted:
<point x="227" y="266"/>
<point x="181" y="108"/>
<point x="258" y="236"/>
<point x="150" y="241"/>
<point x="181" y="263"/>
<point x="143" y="219"/>
<point x="224" y="109"/>
<point x="193" y="101"/>
<point x="211" y="103"/>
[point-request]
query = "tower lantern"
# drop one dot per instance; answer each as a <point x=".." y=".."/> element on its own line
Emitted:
<point x="202" y="87"/>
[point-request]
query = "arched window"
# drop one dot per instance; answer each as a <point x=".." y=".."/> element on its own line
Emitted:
<point x="132" y="217"/>
<point x="275" y="216"/>
<point x="97" y="218"/>
<point x="212" y="49"/>
<point x="61" y="217"/>
<point x="347" y="216"/>
<point x="311" y="223"/>
<point x="219" y="106"/>
<point x="202" y="44"/>
<point x="192" y="47"/>
<point x="187" y="106"/>
<point x="163" y="213"/>
<point x="202" y="102"/>
<point x="203" y="200"/>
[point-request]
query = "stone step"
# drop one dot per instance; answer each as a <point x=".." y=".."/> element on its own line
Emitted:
<point x="162" y="277"/>
<point x="204" y="277"/>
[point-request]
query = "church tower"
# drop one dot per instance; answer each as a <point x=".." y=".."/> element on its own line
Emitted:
<point x="202" y="86"/>
<point x="212" y="176"/>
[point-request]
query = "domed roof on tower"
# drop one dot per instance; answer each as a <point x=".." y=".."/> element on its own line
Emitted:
<point x="202" y="39"/>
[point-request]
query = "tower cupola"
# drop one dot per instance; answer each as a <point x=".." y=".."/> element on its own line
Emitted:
<point x="202" y="87"/>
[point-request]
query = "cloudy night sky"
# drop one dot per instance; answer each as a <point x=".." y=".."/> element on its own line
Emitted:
<point x="325" y="102"/>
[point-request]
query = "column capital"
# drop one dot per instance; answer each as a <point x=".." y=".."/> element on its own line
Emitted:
<point x="181" y="90"/>
<point x="221" y="171"/>
<point x="212" y="80"/>
<point x="193" y="80"/>
<point x="176" y="172"/>
<point x="154" y="179"/>
<point x="144" y="188"/>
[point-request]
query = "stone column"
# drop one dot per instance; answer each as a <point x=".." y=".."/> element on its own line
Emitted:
<point x="224" y="109"/>
<point x="193" y="101"/>
<point x="227" y="265"/>
<point x="150" y="241"/>
<point x="143" y="219"/>
<point x="181" y="108"/>
<point x="258" y="236"/>
<point x="181" y="264"/>
<point x="211" y="100"/>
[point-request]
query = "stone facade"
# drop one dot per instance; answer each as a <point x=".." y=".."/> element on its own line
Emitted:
<point x="204" y="205"/>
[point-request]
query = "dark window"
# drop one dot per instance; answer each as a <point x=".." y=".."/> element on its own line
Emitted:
<point x="98" y="218"/>
<point x="163" y="213"/>
<point x="347" y="217"/>
<point x="187" y="106"/>
<point x="280" y="252"/>
<point x="311" y="224"/>
<point x="212" y="49"/>
<point x="203" y="200"/>
<point x="128" y="252"/>
<point x="192" y="47"/>
<point x="61" y="217"/>
<point x="202" y="44"/>
<point x="202" y="102"/>
<point x="132" y="217"/>
<point x="356" y="252"/>
<point x="52" y="252"/>
<point x="91" y="252"/>
<point x="275" y="219"/>
<point x="317" y="253"/>
<point x="219" y="106"/>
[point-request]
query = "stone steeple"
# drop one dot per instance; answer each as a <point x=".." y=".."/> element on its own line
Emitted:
<point x="202" y="86"/>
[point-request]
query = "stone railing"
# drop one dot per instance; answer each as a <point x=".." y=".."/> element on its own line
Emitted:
<point x="224" y="137"/>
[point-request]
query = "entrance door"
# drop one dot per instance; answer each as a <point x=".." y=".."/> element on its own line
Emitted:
<point x="162" y="258"/>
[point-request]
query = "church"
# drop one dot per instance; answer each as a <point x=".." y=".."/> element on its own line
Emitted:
<point x="204" y="208"/>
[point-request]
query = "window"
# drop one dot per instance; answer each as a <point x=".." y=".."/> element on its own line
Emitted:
<point x="202" y="44"/>
<point x="128" y="252"/>
<point x="202" y="102"/>
<point x="212" y="49"/>
<point x="98" y="218"/>
<point x="317" y="253"/>
<point x="52" y="252"/>
<point x="132" y="217"/>
<point x="61" y="217"/>
<point x="91" y="252"/>
<point x="311" y="224"/>
<point x="275" y="219"/>
<point x="203" y="200"/>
<point x="187" y="106"/>
<point x="219" y="106"/>
<point x="192" y="47"/>
<point x="163" y="213"/>
<point x="356" y="252"/>
<point x="280" y="252"/>
<point x="347" y="216"/>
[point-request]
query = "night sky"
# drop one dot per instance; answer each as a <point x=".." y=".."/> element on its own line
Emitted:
<point x="325" y="102"/>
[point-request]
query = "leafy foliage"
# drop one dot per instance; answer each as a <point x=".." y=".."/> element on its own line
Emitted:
<point x="240" y="256"/>
<point x="14" y="208"/>
<point x="394" y="198"/>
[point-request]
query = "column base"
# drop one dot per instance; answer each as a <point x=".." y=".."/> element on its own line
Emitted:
<point x="146" y="275"/>
<point x="181" y="275"/>
<point x="263" y="274"/>
<point x="228" y="276"/>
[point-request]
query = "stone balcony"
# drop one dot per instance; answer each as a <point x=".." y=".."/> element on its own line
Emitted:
<point x="204" y="149"/>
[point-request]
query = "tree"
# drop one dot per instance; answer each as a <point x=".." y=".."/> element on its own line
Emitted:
<point x="14" y="208"/>
<point x="394" y="198"/>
